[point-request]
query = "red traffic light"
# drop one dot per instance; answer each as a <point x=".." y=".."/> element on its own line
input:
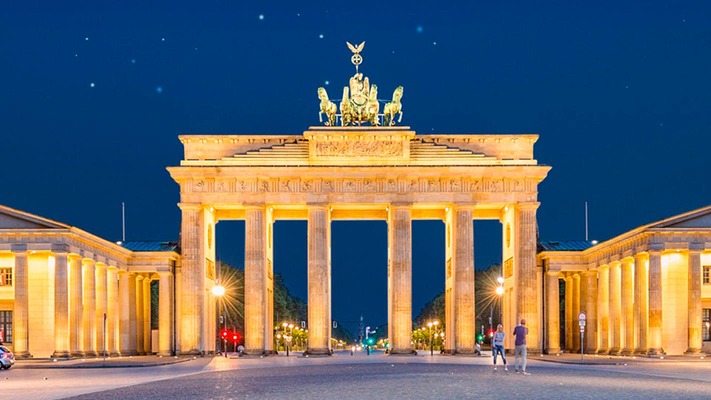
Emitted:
<point x="224" y="333"/>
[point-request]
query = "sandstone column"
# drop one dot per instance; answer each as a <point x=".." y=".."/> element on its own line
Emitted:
<point x="101" y="309"/>
<point x="20" y="312"/>
<point x="89" y="310"/>
<point x="576" y="312"/>
<point x="192" y="295"/>
<point x="553" y="312"/>
<point x="603" y="308"/>
<point x="61" y="303"/>
<point x="463" y="260"/>
<point x="627" y="320"/>
<point x="589" y="300"/>
<point x="615" y="307"/>
<point x="165" y="316"/>
<point x="76" y="307"/>
<point x="400" y="249"/>
<point x="124" y="314"/>
<point x="526" y="278"/>
<point x="641" y="313"/>
<point x="139" y="333"/>
<point x="112" y="310"/>
<point x="319" y="270"/>
<point x="569" y="316"/>
<point x="147" y="316"/>
<point x="255" y="280"/>
<point x="655" y="303"/>
<point x="695" y="313"/>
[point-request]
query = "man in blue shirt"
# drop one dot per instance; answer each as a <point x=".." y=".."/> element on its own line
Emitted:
<point x="520" y="352"/>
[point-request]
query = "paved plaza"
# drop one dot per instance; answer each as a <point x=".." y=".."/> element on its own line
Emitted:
<point x="356" y="377"/>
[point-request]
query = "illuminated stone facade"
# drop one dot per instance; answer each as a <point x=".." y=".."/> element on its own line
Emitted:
<point x="58" y="283"/>
<point x="357" y="173"/>
<point x="647" y="291"/>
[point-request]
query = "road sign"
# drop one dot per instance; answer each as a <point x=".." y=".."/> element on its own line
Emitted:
<point x="582" y="316"/>
<point x="582" y="323"/>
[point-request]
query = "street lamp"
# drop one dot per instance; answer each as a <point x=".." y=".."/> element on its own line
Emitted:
<point x="500" y="293"/>
<point x="430" y="325"/>
<point x="219" y="291"/>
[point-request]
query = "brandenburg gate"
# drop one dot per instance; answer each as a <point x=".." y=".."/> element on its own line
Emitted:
<point x="356" y="172"/>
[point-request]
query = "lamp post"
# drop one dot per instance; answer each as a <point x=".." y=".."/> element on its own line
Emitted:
<point x="219" y="291"/>
<point x="500" y="293"/>
<point x="430" y="325"/>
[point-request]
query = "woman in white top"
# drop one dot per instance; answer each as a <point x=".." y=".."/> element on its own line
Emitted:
<point x="498" y="348"/>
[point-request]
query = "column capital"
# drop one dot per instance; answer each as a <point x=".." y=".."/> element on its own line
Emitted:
<point x="166" y="274"/>
<point x="555" y="274"/>
<point x="18" y="248"/>
<point x="640" y="257"/>
<point x="190" y="206"/>
<point x="255" y="206"/>
<point x="400" y="205"/>
<point x="655" y="248"/>
<point x="527" y="206"/>
<point x="696" y="247"/>
<point x="60" y="248"/>
<point x="317" y="205"/>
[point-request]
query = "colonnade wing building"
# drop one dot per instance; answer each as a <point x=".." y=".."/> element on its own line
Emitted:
<point x="647" y="291"/>
<point x="67" y="293"/>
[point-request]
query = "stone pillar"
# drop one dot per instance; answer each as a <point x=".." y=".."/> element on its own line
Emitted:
<point x="165" y="314"/>
<point x="139" y="316"/>
<point x="569" y="316"/>
<point x="76" y="307"/>
<point x="20" y="311"/>
<point x="112" y="310"/>
<point x="192" y="295"/>
<point x="61" y="304"/>
<point x="575" y="312"/>
<point x="655" y="303"/>
<point x="255" y="280"/>
<point x="588" y="301"/>
<point x="641" y="310"/>
<point x="695" y="313"/>
<point x="463" y="266"/>
<point x="147" y="316"/>
<point x="89" y="310"/>
<point x="319" y="271"/>
<point x="127" y="313"/>
<point x="603" y="309"/>
<point x="553" y="312"/>
<point x="101" y="309"/>
<point x="615" y="307"/>
<point x="526" y="274"/>
<point x="627" y="320"/>
<point x="400" y="250"/>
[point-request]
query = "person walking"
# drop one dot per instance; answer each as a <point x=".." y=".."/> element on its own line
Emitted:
<point x="498" y="348"/>
<point x="521" y="352"/>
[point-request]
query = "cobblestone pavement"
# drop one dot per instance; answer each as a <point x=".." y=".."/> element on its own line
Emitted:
<point x="377" y="376"/>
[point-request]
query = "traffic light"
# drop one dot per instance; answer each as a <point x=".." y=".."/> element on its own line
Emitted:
<point x="223" y="333"/>
<point x="479" y="337"/>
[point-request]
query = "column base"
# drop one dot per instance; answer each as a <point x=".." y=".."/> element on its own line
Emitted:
<point x="408" y="352"/>
<point x="590" y="351"/>
<point x="76" y="354"/>
<point x="553" y="351"/>
<point x="626" y="352"/>
<point x="614" y="351"/>
<point x="318" y="352"/>
<point x="23" y="355"/>
<point x="165" y="353"/>
<point x="88" y="354"/>
<point x="192" y="352"/>
<point x="692" y="351"/>
<point x="60" y="354"/>
<point x="656" y="352"/>
<point x="602" y="352"/>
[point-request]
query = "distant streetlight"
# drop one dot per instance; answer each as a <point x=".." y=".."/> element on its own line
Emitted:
<point x="219" y="291"/>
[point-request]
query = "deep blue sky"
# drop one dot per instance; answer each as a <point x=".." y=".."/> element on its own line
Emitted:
<point x="93" y="96"/>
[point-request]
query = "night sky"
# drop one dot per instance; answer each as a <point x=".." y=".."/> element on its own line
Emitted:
<point x="93" y="97"/>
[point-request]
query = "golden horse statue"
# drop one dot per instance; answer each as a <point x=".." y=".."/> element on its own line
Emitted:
<point x="346" y="108"/>
<point x="327" y="107"/>
<point x="392" y="108"/>
<point x="372" y="107"/>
